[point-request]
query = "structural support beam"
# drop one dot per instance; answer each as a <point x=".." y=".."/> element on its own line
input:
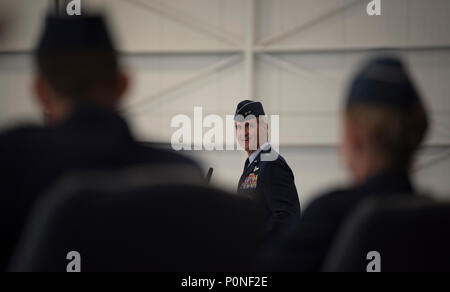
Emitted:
<point x="182" y="51"/>
<point x="191" y="21"/>
<point x="302" y="72"/>
<point x="349" y="49"/>
<point x="271" y="50"/>
<point x="249" y="50"/>
<point x="191" y="79"/>
<point x="298" y="28"/>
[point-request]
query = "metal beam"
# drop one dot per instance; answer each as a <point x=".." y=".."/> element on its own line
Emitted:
<point x="272" y="50"/>
<point x="198" y="76"/>
<point x="299" y="28"/>
<point x="286" y="65"/>
<point x="302" y="72"/>
<point x="191" y="21"/>
<point x="350" y="49"/>
<point x="249" y="51"/>
<point x="149" y="53"/>
<point x="181" y="52"/>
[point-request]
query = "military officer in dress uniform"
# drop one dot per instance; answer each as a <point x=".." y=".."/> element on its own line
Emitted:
<point x="267" y="178"/>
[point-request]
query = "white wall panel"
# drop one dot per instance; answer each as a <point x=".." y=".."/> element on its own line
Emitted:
<point x="16" y="102"/>
<point x="306" y="52"/>
<point x="322" y="24"/>
<point x="155" y="25"/>
<point x="23" y="23"/>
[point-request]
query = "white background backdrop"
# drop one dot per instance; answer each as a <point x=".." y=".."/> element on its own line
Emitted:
<point x="296" y="56"/>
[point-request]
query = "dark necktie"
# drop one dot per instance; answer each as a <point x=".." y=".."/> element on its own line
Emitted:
<point x="247" y="163"/>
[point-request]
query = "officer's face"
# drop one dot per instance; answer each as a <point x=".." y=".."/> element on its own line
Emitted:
<point x="248" y="135"/>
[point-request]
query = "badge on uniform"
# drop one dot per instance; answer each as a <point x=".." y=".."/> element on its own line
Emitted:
<point x="251" y="182"/>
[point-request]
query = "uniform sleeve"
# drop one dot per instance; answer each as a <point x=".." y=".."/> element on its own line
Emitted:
<point x="281" y="196"/>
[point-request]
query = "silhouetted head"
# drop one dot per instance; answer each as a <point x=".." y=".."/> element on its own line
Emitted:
<point x="76" y="63"/>
<point x="385" y="119"/>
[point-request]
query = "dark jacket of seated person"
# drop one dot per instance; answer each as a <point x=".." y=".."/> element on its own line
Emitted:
<point x="306" y="246"/>
<point x="79" y="84"/>
<point x="385" y="122"/>
<point x="32" y="158"/>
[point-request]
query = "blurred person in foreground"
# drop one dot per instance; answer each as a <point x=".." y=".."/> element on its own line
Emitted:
<point x="79" y="85"/>
<point x="384" y="123"/>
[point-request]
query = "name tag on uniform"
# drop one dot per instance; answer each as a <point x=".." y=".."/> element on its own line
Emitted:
<point x="251" y="182"/>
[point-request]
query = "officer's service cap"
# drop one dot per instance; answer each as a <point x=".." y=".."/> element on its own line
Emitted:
<point x="65" y="34"/>
<point x="383" y="81"/>
<point x="248" y="109"/>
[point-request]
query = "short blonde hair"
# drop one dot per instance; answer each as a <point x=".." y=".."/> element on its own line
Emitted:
<point x="393" y="134"/>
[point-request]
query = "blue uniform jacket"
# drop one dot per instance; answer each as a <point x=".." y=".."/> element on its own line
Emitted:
<point x="271" y="183"/>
